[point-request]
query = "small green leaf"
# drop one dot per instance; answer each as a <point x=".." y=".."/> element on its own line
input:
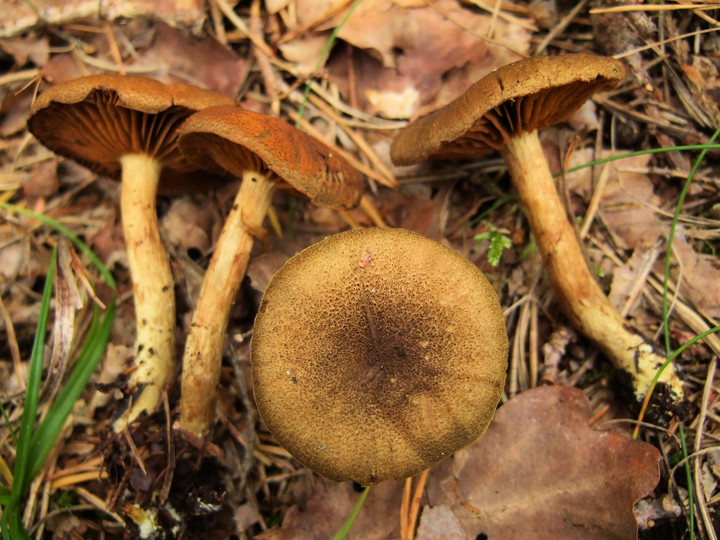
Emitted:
<point x="499" y="242"/>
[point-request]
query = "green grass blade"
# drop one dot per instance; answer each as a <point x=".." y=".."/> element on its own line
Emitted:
<point x="17" y="529"/>
<point x="51" y="426"/>
<point x="688" y="478"/>
<point x="323" y="55"/>
<point x="23" y="450"/>
<point x="688" y="147"/>
<point x="8" y="424"/>
<point x="673" y="225"/>
<point x="67" y="233"/>
<point x="4" y="527"/>
<point x="342" y="533"/>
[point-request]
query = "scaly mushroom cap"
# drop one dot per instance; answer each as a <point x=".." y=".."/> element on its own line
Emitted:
<point x="95" y="120"/>
<point x="523" y="96"/>
<point x="238" y="140"/>
<point x="376" y="353"/>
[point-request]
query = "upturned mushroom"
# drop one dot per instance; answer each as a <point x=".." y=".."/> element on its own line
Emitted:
<point x="503" y="112"/>
<point x="266" y="153"/>
<point x="126" y="127"/>
<point x="377" y="353"/>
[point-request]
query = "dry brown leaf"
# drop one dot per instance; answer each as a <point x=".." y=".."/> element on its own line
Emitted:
<point x="188" y="225"/>
<point x="205" y="63"/>
<point x="31" y="48"/>
<point x="18" y="17"/>
<point x="305" y="51"/>
<point x="407" y="51"/>
<point x="331" y="504"/>
<point x="700" y="275"/>
<point x="541" y="472"/>
<point x="628" y="208"/>
<point x="439" y="522"/>
<point x="629" y="202"/>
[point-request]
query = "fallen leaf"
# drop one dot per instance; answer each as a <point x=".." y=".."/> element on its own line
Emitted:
<point x="629" y="210"/>
<point x="42" y="180"/>
<point x="438" y="523"/>
<point x="19" y="17"/>
<point x="700" y="275"/>
<point x="32" y="48"/>
<point x="408" y="51"/>
<point x="330" y="505"/>
<point x="188" y="225"/>
<point x="541" y="472"/>
<point x="205" y="63"/>
<point x="305" y="51"/>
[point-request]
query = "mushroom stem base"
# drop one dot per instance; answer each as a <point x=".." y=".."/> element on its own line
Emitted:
<point x="579" y="294"/>
<point x="203" y="351"/>
<point x="153" y="290"/>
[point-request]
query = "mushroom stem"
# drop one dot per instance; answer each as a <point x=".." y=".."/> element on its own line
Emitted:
<point x="579" y="294"/>
<point x="152" y="280"/>
<point x="203" y="350"/>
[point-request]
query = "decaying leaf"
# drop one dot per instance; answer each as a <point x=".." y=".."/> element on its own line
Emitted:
<point x="541" y="472"/>
<point x="538" y="472"/>
<point x="329" y="506"/>
<point x="415" y="53"/>
<point x="18" y="17"/>
<point x="629" y="209"/>
<point x="188" y="225"/>
<point x="439" y="522"/>
<point x="204" y="63"/>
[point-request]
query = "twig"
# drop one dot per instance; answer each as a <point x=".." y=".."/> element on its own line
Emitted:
<point x="388" y="178"/>
<point x="562" y="25"/>
<point x="707" y="390"/>
<point x="241" y="26"/>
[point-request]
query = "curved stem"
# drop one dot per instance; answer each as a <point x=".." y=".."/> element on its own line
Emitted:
<point x="203" y="350"/>
<point x="153" y="290"/>
<point x="579" y="294"/>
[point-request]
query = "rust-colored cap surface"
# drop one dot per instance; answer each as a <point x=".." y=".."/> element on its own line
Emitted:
<point x="376" y="353"/>
<point x="238" y="140"/>
<point x="95" y="120"/>
<point x="523" y="96"/>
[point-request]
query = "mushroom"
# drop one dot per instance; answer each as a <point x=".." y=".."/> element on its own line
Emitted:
<point x="377" y="353"/>
<point x="126" y="126"/>
<point x="266" y="153"/>
<point x="503" y="112"/>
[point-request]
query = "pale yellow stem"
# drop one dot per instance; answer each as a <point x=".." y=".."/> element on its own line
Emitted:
<point x="203" y="351"/>
<point x="153" y="290"/>
<point x="579" y="294"/>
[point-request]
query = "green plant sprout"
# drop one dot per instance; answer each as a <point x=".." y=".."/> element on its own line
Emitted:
<point x="690" y="483"/>
<point x="498" y="240"/>
<point x="33" y="444"/>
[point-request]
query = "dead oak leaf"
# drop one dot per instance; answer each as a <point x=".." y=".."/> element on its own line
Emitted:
<point x="205" y="63"/>
<point x="329" y="506"/>
<point x="410" y="58"/>
<point x="629" y="208"/>
<point x="541" y="472"/>
<point x="700" y="275"/>
<point x="19" y="17"/>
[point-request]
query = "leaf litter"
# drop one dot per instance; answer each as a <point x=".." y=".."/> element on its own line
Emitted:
<point x="392" y="60"/>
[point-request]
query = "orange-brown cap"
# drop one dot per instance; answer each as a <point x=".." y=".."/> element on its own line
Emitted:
<point x="238" y="139"/>
<point x="523" y="96"/>
<point x="95" y="120"/>
<point x="376" y="353"/>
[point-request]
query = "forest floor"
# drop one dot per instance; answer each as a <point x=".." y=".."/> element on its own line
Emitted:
<point x="559" y="461"/>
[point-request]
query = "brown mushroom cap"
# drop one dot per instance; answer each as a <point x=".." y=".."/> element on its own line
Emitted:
<point x="376" y="353"/>
<point x="239" y="140"/>
<point x="95" y="120"/>
<point x="524" y="96"/>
